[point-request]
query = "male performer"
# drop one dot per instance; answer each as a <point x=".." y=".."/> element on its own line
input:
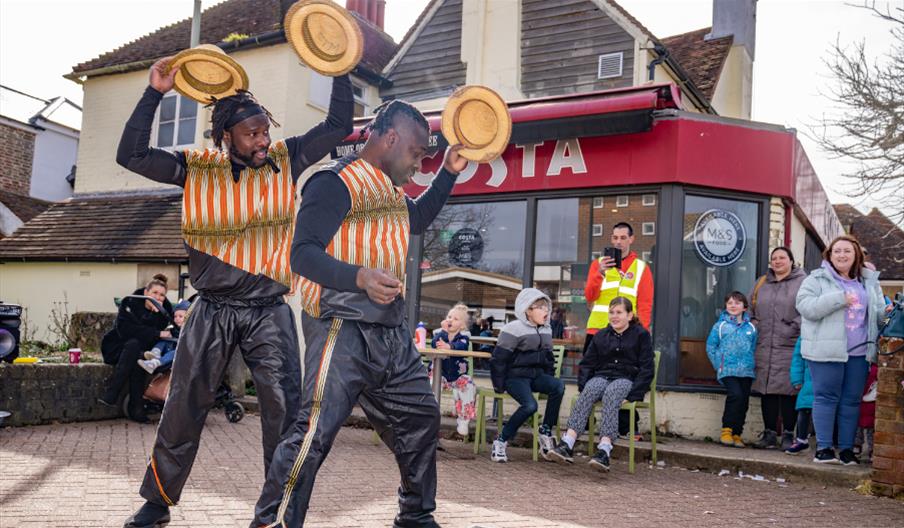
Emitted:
<point x="237" y="221"/>
<point x="350" y="248"/>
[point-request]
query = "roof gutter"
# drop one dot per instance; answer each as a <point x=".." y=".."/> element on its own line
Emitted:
<point x="663" y="56"/>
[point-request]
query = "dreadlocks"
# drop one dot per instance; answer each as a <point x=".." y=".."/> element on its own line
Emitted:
<point x="233" y="109"/>
<point x="385" y="114"/>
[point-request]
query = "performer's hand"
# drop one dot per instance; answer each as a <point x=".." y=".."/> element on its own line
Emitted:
<point x="380" y="285"/>
<point x="453" y="162"/>
<point x="161" y="80"/>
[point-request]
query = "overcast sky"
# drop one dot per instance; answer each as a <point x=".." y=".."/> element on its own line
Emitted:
<point x="40" y="40"/>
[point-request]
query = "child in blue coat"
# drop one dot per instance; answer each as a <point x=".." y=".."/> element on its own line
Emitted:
<point x="730" y="347"/>
<point x="455" y="369"/>
<point x="800" y="380"/>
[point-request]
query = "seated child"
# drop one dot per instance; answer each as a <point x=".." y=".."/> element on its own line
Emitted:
<point x="164" y="351"/>
<point x="522" y="364"/>
<point x="730" y="346"/>
<point x="617" y="366"/>
<point x="800" y="380"/>
<point x="455" y="369"/>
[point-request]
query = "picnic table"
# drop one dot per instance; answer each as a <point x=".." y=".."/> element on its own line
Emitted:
<point x="437" y="356"/>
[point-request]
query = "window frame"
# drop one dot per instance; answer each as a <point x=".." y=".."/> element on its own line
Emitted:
<point x="650" y="203"/>
<point x="619" y="203"/>
<point x="155" y="130"/>
<point x="651" y="225"/>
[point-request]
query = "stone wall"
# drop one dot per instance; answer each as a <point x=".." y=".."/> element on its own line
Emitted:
<point x="88" y="328"/>
<point x="17" y="148"/>
<point x="888" y="454"/>
<point x="44" y="393"/>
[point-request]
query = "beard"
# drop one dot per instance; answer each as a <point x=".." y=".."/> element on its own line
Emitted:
<point x="248" y="160"/>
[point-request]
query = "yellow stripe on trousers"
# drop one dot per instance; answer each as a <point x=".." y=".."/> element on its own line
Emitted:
<point x="325" y="356"/>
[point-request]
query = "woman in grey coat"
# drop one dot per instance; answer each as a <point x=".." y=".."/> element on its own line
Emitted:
<point x="778" y="324"/>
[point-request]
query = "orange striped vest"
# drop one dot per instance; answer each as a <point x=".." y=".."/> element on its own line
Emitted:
<point x="374" y="233"/>
<point x="247" y="224"/>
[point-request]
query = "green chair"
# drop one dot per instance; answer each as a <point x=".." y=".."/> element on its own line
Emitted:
<point x="480" y="434"/>
<point x="632" y="407"/>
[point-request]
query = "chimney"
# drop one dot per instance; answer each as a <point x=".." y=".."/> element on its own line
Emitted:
<point x="736" y="18"/>
<point x="370" y="10"/>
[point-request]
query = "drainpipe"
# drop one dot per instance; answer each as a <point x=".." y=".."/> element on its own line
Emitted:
<point x="789" y="215"/>
<point x="661" y="53"/>
<point x="196" y="25"/>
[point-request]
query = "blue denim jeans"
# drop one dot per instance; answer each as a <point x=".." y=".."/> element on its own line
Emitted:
<point x="521" y="390"/>
<point x="837" y="388"/>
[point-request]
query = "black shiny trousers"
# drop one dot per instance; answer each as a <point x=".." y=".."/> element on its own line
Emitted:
<point x="378" y="368"/>
<point x="263" y="331"/>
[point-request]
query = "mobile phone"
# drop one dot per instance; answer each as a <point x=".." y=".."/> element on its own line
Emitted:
<point x="615" y="254"/>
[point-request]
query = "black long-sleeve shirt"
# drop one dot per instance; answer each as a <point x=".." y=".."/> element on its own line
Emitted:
<point x="210" y="274"/>
<point x="325" y="202"/>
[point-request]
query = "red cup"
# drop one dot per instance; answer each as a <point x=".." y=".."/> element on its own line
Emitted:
<point x="75" y="356"/>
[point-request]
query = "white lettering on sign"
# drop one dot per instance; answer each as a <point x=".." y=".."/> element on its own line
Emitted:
<point x="567" y="155"/>
<point x="499" y="172"/>
<point x="530" y="158"/>
<point x="424" y="178"/>
<point x="468" y="173"/>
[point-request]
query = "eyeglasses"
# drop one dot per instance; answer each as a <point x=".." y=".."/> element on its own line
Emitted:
<point x="544" y="307"/>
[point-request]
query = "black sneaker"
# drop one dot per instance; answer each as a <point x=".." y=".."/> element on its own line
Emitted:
<point x="600" y="460"/>
<point x="787" y="440"/>
<point x="767" y="440"/>
<point x="149" y="516"/>
<point x="825" y="456"/>
<point x="562" y="453"/>
<point x="847" y="458"/>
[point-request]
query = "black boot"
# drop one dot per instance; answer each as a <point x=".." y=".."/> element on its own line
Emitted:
<point x="149" y="516"/>
<point x="768" y="440"/>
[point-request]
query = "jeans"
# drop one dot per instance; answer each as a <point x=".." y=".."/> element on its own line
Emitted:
<point x="521" y="390"/>
<point x="837" y="388"/>
<point x="736" y="402"/>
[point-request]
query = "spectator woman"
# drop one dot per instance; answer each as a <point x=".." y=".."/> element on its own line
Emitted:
<point x="772" y="310"/>
<point x="841" y="304"/>
<point x="139" y="324"/>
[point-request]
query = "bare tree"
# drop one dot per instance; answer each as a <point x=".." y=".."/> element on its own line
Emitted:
<point x="869" y="125"/>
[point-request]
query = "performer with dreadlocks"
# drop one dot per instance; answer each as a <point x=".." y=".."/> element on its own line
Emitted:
<point x="237" y="221"/>
<point x="350" y="246"/>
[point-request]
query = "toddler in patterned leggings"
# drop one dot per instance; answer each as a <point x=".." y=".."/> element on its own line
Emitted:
<point x="455" y="369"/>
<point x="617" y="366"/>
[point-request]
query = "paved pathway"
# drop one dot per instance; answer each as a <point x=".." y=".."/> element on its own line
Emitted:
<point x="87" y="475"/>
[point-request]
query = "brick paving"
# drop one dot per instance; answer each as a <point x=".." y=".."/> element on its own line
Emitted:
<point x="87" y="475"/>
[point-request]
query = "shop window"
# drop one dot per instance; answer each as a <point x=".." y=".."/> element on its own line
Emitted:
<point x="176" y="121"/>
<point x="598" y="202"/>
<point x="359" y="92"/>
<point x="649" y="200"/>
<point x="649" y="228"/>
<point x="719" y="252"/>
<point x="597" y="230"/>
<point x="621" y="201"/>
<point x="474" y="254"/>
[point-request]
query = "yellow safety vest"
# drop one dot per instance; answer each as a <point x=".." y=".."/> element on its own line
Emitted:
<point x="616" y="285"/>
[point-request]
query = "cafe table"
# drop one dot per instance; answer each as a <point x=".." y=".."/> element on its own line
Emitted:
<point x="437" y="356"/>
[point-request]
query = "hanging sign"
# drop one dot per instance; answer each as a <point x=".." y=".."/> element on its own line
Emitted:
<point x="719" y="237"/>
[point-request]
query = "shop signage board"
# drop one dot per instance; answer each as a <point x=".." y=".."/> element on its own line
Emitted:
<point x="719" y="237"/>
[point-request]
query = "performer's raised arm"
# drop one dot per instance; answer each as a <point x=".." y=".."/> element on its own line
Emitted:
<point x="135" y="152"/>
<point x="313" y="145"/>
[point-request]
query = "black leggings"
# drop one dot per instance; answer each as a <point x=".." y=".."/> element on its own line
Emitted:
<point x="772" y="405"/>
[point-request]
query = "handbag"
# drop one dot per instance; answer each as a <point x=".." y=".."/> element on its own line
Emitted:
<point x="893" y="328"/>
<point x="158" y="388"/>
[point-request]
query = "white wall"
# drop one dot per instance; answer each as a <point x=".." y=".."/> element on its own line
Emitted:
<point x="56" y="151"/>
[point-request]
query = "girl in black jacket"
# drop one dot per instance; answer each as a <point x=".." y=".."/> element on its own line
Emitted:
<point x="617" y="366"/>
<point x="138" y="326"/>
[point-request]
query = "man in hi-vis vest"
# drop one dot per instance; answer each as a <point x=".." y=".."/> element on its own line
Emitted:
<point x="633" y="281"/>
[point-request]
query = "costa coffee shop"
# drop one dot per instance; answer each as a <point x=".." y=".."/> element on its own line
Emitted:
<point x="706" y="195"/>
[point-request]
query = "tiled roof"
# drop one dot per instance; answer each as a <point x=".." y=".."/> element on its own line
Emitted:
<point x="136" y="228"/>
<point x="880" y="236"/>
<point x="702" y="59"/>
<point x="248" y="17"/>
<point x="24" y="207"/>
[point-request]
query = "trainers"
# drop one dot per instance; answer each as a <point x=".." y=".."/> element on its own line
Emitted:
<point x="848" y="458"/>
<point x="825" y="456"/>
<point x="461" y="426"/>
<point x="149" y="365"/>
<point x="498" y="454"/>
<point x="547" y="444"/>
<point x="153" y="353"/>
<point x="767" y="440"/>
<point x="797" y="447"/>
<point x="600" y="460"/>
<point x="737" y="442"/>
<point x="149" y="516"/>
<point x="562" y="453"/>
<point x="725" y="437"/>
<point x="787" y="440"/>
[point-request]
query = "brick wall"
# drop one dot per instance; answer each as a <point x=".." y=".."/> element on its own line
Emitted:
<point x="888" y="454"/>
<point x="44" y="393"/>
<point x="17" y="149"/>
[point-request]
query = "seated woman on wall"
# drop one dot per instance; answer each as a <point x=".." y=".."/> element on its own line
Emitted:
<point x="618" y="366"/>
<point x="139" y="324"/>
